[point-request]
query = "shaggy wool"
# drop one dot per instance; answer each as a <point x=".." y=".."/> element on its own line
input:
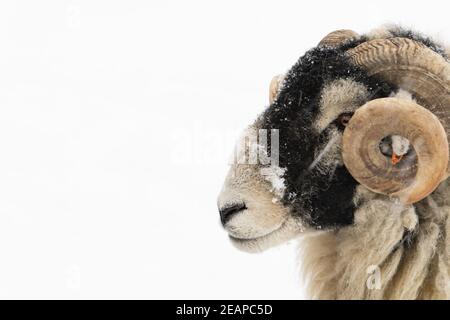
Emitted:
<point x="408" y="247"/>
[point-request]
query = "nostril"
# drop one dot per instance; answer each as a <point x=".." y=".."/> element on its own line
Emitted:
<point x="228" y="211"/>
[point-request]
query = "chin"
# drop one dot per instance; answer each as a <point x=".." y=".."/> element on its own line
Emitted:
<point x="289" y="230"/>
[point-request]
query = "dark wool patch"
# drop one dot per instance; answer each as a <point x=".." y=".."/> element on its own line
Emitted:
<point x="322" y="200"/>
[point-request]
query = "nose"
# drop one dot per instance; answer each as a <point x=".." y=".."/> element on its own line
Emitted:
<point x="228" y="211"/>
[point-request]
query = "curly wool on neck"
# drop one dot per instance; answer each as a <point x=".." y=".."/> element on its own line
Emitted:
<point x="408" y="246"/>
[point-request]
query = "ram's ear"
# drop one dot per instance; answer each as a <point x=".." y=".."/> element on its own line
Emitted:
<point x="275" y="85"/>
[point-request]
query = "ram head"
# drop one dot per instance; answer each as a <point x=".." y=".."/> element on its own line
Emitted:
<point x="357" y="117"/>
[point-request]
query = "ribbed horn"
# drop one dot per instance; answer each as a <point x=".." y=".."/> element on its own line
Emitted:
<point x="425" y="74"/>
<point x="413" y="178"/>
<point x="337" y="37"/>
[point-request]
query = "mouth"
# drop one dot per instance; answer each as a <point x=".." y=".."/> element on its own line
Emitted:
<point x="288" y="230"/>
<point x="237" y="239"/>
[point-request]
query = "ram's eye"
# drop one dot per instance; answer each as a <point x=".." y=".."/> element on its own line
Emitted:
<point x="344" y="118"/>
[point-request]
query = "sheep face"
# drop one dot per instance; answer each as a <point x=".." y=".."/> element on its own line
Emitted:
<point x="309" y="188"/>
<point x="250" y="203"/>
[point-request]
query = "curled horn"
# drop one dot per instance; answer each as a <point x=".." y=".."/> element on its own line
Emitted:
<point x="426" y="124"/>
<point x="380" y="118"/>
<point x="337" y="37"/>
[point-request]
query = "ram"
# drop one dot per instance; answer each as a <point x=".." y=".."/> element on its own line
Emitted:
<point x="360" y="180"/>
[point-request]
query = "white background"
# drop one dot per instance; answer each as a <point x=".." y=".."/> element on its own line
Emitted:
<point x="116" y="123"/>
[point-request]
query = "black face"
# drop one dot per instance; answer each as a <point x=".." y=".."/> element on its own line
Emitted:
<point x="324" y="200"/>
